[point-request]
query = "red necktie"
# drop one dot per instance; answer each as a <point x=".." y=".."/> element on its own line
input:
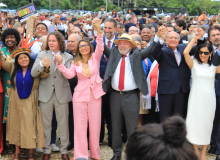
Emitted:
<point x="122" y="74"/>
<point x="109" y="44"/>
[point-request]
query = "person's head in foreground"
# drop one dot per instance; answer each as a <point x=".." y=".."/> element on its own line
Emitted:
<point x="166" y="141"/>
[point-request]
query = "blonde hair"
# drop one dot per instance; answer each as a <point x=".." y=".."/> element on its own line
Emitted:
<point x="79" y="56"/>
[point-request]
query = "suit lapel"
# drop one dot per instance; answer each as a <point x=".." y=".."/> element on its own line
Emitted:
<point x="115" y="60"/>
<point x="172" y="53"/>
<point x="181" y="53"/>
<point x="131" y="58"/>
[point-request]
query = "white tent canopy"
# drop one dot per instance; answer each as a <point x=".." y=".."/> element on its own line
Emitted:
<point x="3" y="5"/>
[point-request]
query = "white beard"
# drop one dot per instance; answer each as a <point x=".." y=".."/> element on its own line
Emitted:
<point x="124" y="52"/>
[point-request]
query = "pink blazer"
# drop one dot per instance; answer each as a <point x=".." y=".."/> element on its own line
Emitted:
<point x="82" y="90"/>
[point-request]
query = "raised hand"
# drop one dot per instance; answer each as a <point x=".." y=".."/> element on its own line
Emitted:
<point x="97" y="24"/>
<point x="58" y="19"/>
<point x="163" y="33"/>
<point x="161" y="28"/>
<point x="46" y="62"/>
<point x="198" y="33"/>
<point x="59" y="58"/>
<point x="144" y="44"/>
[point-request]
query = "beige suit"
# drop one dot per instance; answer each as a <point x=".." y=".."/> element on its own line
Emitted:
<point x="54" y="91"/>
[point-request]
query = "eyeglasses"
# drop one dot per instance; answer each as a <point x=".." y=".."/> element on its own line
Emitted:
<point x="85" y="45"/>
<point x="175" y="38"/>
<point x="201" y="52"/>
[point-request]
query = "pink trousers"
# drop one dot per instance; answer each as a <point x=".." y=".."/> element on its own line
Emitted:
<point x="85" y="113"/>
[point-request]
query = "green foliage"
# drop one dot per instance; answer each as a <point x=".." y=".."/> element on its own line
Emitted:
<point x="194" y="7"/>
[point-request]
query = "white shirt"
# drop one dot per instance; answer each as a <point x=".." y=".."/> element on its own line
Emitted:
<point x="100" y="14"/>
<point x="65" y="27"/>
<point x="35" y="49"/>
<point x="216" y="50"/>
<point x="89" y="27"/>
<point x="129" y="83"/>
<point x="112" y="41"/>
<point x="48" y="23"/>
<point x="178" y="55"/>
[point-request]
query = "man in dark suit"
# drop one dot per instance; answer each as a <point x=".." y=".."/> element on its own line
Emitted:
<point x="214" y="37"/>
<point x="110" y="29"/>
<point x="125" y="77"/>
<point x="129" y="24"/>
<point x="174" y="76"/>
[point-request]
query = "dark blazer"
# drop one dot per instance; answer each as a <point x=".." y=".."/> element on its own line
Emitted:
<point x="216" y="62"/>
<point x="103" y="62"/>
<point x="172" y="76"/>
<point x="136" y="56"/>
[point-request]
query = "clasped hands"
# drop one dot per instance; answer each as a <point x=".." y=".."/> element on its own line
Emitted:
<point x="97" y="24"/>
<point x="46" y="62"/>
<point x="59" y="58"/>
<point x="161" y="32"/>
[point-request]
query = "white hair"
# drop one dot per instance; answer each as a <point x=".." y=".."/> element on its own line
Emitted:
<point x="173" y="32"/>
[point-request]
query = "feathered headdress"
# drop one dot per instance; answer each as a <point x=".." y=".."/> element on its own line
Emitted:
<point x="26" y="42"/>
<point x="25" y="47"/>
<point x="20" y="51"/>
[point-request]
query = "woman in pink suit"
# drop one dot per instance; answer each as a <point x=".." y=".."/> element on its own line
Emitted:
<point x="87" y="94"/>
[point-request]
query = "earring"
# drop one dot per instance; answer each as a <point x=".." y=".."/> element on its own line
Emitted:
<point x="210" y="58"/>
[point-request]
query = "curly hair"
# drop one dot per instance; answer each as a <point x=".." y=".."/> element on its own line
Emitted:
<point x="11" y="31"/>
<point x="60" y="39"/>
<point x="79" y="56"/>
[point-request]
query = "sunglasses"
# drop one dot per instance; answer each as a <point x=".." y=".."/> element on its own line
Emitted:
<point x="85" y="45"/>
<point x="201" y="52"/>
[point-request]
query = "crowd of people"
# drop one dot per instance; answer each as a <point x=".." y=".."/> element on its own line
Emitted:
<point x="86" y="73"/>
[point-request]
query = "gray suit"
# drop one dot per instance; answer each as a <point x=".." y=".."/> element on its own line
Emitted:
<point x="54" y="91"/>
<point x="125" y="106"/>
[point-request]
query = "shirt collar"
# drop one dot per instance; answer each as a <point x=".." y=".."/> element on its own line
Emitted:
<point x="176" y="51"/>
<point x="112" y="40"/>
<point x="127" y="55"/>
<point x="215" y="47"/>
<point x="55" y="53"/>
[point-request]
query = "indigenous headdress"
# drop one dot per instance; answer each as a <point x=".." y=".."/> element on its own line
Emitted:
<point x="25" y="45"/>
<point x="20" y="51"/>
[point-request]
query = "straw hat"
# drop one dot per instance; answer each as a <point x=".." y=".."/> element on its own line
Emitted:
<point x="125" y="37"/>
